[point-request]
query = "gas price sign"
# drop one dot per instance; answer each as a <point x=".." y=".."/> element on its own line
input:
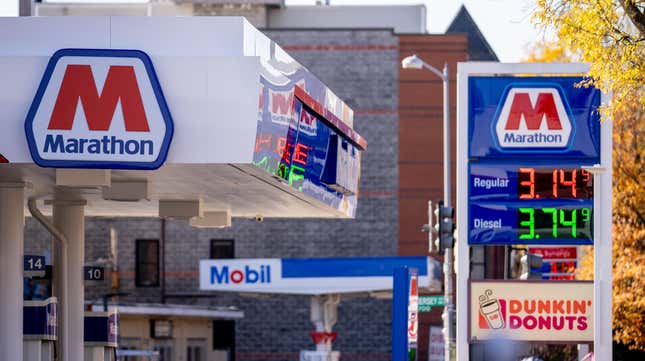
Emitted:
<point x="531" y="141"/>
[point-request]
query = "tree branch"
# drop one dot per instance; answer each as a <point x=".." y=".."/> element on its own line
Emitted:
<point x="635" y="15"/>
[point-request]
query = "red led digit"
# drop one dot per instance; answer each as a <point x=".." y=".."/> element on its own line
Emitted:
<point x="571" y="183"/>
<point x="586" y="176"/>
<point x="555" y="183"/>
<point x="528" y="183"/>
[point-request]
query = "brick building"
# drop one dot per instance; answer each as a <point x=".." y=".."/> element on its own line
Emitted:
<point x="356" y="51"/>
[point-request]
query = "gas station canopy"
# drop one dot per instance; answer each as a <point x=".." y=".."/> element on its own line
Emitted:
<point x="196" y="118"/>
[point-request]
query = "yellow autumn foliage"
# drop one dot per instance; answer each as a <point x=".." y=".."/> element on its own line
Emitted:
<point x="610" y="35"/>
<point x="606" y="35"/>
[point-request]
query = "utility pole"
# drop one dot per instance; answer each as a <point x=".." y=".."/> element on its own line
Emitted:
<point x="445" y="212"/>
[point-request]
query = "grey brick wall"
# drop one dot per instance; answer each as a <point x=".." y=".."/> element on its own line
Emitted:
<point x="362" y="68"/>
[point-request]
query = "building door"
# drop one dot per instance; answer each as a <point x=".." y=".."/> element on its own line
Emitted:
<point x="196" y="349"/>
<point x="165" y="348"/>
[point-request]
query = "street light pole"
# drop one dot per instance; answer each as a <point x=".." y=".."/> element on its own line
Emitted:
<point x="414" y="62"/>
<point x="447" y="253"/>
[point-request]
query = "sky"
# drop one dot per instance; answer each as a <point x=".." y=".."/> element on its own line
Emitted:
<point x="506" y="24"/>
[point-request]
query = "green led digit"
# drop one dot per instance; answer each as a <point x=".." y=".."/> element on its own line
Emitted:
<point x="570" y="223"/>
<point x="554" y="219"/>
<point x="586" y="213"/>
<point x="530" y="223"/>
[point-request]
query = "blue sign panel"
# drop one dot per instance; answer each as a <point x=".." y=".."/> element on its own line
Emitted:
<point x="39" y="319"/>
<point x="351" y="267"/>
<point x="506" y="182"/>
<point x="101" y="328"/>
<point x="536" y="116"/>
<point x="530" y="139"/>
<point x="297" y="144"/>
<point x="548" y="222"/>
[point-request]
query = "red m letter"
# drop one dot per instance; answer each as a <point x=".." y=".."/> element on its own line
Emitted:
<point x="281" y="103"/>
<point x="545" y="105"/>
<point x="120" y="84"/>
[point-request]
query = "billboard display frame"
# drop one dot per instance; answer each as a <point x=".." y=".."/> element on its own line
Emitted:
<point x="561" y="284"/>
<point x="601" y="203"/>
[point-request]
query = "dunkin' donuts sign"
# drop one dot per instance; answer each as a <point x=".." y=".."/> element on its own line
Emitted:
<point x="541" y="311"/>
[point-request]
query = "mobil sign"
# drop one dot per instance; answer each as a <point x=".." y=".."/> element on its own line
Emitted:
<point x="511" y="117"/>
<point x="314" y="276"/>
<point x="534" y="311"/>
<point x="99" y="108"/>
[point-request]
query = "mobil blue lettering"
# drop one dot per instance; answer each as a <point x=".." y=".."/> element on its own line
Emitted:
<point x="248" y="274"/>
<point x="105" y="145"/>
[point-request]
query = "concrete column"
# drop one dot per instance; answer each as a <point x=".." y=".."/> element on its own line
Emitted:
<point x="69" y="219"/>
<point x="316" y="316"/>
<point x="95" y="353"/>
<point x="12" y="225"/>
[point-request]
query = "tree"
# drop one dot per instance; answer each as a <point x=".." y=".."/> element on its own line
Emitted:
<point x="610" y="35"/>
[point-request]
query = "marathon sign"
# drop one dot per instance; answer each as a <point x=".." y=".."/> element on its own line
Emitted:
<point x="313" y="276"/>
<point x="531" y="311"/>
<point x="533" y="118"/>
<point x="539" y="116"/>
<point x="99" y="108"/>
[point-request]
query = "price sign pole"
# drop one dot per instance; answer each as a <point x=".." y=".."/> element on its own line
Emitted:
<point x="533" y="168"/>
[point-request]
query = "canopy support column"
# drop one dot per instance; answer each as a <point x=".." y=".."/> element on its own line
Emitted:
<point x="12" y="226"/>
<point x="69" y="219"/>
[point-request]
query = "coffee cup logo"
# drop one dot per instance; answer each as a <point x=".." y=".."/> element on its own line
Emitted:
<point x="490" y="308"/>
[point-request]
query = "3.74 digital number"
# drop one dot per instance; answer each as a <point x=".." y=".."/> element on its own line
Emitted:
<point x="554" y="223"/>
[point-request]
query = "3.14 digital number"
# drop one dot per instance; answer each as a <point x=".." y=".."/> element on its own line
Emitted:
<point x="554" y="223"/>
<point x="554" y="183"/>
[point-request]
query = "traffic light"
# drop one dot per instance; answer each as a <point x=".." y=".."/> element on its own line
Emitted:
<point x="441" y="226"/>
<point x="436" y="227"/>
<point x="446" y="227"/>
<point x="530" y="264"/>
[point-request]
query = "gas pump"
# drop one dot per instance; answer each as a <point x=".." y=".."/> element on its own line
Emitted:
<point x="39" y="329"/>
<point x="101" y="333"/>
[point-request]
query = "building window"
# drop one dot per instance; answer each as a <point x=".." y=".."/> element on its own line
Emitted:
<point x="224" y="337"/>
<point x="147" y="263"/>
<point x="222" y="248"/>
<point x="195" y="349"/>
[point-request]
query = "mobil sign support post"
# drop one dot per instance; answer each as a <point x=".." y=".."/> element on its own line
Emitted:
<point x="405" y="314"/>
<point x="533" y="168"/>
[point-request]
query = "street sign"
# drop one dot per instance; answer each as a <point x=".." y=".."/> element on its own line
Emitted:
<point x="94" y="273"/>
<point x="427" y="302"/>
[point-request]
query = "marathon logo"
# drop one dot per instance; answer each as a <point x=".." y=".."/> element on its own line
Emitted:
<point x="533" y="118"/>
<point x="281" y="107"/>
<point x="248" y="274"/>
<point x="99" y="109"/>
